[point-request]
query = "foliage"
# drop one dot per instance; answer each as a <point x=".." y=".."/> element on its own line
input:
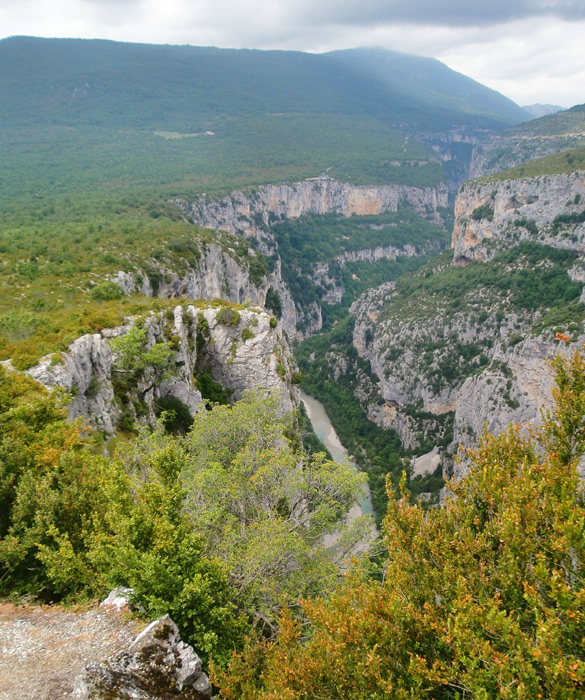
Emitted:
<point x="273" y="302"/>
<point x="309" y="239"/>
<point x="212" y="391"/>
<point x="55" y="265"/>
<point x="483" y="598"/>
<point x="186" y="522"/>
<point x="508" y="279"/>
<point x="176" y="415"/>
<point x="528" y="224"/>
<point x="51" y="487"/>
<point x="484" y="211"/>
<point x="247" y="334"/>
<point x="261" y="514"/>
<point x="106" y="291"/>
<point x="572" y="218"/>
<point x="134" y="355"/>
<point x="378" y="452"/>
<point x="568" y="161"/>
<point x="228" y="316"/>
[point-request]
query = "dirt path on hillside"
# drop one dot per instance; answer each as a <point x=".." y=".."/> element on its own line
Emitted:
<point x="43" y="650"/>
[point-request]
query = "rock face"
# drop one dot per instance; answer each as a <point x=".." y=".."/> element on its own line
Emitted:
<point x="156" y="666"/>
<point x="218" y="275"/>
<point x="492" y="216"/>
<point x="248" y="213"/>
<point x="84" y="370"/>
<point x="459" y="368"/>
<point x="516" y="389"/>
<point x="241" y="352"/>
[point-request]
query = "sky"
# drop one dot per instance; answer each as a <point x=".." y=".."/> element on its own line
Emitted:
<point x="532" y="51"/>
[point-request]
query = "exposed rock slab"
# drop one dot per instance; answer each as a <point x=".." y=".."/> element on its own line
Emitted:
<point x="247" y="212"/>
<point x="43" y="650"/>
<point x="249" y="354"/>
<point x="157" y="665"/>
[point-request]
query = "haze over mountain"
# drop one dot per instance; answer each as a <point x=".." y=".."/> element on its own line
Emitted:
<point x="76" y="81"/>
<point x="539" y="110"/>
<point x="79" y="112"/>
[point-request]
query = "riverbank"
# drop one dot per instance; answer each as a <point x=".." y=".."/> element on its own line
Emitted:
<point x="326" y="433"/>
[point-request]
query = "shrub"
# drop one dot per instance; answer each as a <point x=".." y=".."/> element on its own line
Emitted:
<point x="484" y="211"/>
<point x="273" y="302"/>
<point x="228" y="316"/>
<point x="247" y="334"/>
<point x="106" y="291"/>
<point x="176" y="415"/>
<point x="485" y="595"/>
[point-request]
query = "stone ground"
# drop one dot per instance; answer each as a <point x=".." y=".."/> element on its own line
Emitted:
<point x="43" y="650"/>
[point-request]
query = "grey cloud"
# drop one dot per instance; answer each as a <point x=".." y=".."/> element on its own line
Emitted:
<point x="454" y="13"/>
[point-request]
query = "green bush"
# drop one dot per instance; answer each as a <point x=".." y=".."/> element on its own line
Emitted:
<point x="247" y="334"/>
<point x="228" y="316"/>
<point x="106" y="291"/>
<point x="484" y="211"/>
<point x="177" y="418"/>
<point x="273" y="302"/>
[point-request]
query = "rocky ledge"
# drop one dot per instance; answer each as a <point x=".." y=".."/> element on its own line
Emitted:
<point x="241" y="349"/>
<point x="156" y="666"/>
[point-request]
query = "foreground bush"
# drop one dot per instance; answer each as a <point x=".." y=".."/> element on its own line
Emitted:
<point x="484" y="598"/>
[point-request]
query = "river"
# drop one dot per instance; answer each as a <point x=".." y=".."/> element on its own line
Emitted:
<point x="325" y="432"/>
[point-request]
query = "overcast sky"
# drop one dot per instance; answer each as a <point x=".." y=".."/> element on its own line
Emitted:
<point x="530" y="50"/>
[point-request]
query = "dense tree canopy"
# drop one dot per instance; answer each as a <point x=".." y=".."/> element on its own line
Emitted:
<point x="483" y="598"/>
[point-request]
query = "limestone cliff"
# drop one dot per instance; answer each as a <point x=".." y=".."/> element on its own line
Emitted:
<point x="240" y="349"/>
<point x="492" y="216"/>
<point x="249" y="213"/>
<point x="219" y="274"/>
<point x="515" y="389"/>
<point x="477" y="354"/>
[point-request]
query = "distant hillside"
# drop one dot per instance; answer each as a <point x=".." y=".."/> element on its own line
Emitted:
<point x="538" y="110"/>
<point x="535" y="139"/>
<point x="77" y="115"/>
<point x="426" y="93"/>
<point x="180" y="87"/>
<point x="563" y="162"/>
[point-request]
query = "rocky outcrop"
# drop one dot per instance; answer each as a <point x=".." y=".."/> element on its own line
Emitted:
<point x="470" y="363"/>
<point x="249" y="212"/>
<point x="85" y="371"/>
<point x="241" y="349"/>
<point x="517" y="388"/>
<point x="156" y="666"/>
<point x="218" y="275"/>
<point x="455" y="147"/>
<point x="384" y="252"/>
<point x="492" y="216"/>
